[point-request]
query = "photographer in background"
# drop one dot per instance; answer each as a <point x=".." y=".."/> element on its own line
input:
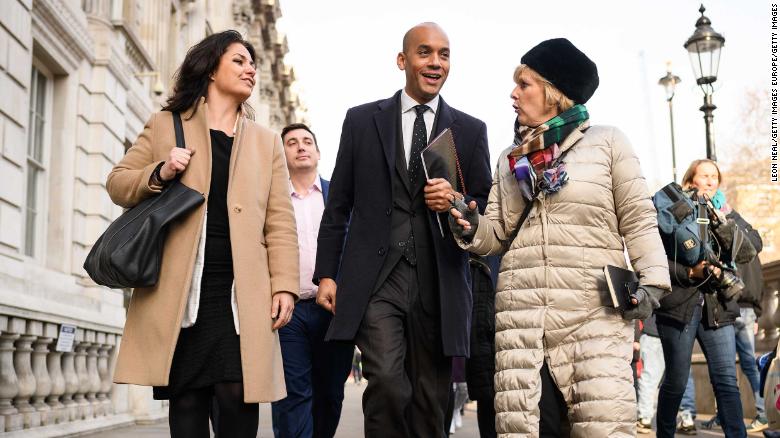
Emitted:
<point x="745" y="326"/>
<point x="703" y="303"/>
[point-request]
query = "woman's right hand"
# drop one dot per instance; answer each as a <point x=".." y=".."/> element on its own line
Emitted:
<point x="177" y="161"/>
<point x="701" y="270"/>
<point x="463" y="218"/>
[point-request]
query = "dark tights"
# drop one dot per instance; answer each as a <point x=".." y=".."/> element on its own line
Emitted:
<point x="188" y="415"/>
<point x="553" y="412"/>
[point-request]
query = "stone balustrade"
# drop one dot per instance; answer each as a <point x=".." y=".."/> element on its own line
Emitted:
<point x="40" y="386"/>
<point x="769" y="322"/>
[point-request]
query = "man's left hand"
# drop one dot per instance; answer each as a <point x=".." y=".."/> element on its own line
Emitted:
<point x="439" y="195"/>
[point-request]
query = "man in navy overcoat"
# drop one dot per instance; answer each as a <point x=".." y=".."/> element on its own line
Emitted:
<point x="396" y="286"/>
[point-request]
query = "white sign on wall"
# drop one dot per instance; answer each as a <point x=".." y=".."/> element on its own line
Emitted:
<point x="67" y="335"/>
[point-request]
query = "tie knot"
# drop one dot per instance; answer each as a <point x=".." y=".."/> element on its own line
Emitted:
<point x="421" y="109"/>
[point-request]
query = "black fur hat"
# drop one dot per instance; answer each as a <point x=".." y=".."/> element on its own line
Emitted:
<point x="565" y="66"/>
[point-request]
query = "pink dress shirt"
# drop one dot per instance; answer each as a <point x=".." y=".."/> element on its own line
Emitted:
<point x="308" y="214"/>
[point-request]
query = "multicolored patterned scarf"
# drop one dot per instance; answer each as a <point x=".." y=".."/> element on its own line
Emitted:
<point x="719" y="202"/>
<point x="536" y="149"/>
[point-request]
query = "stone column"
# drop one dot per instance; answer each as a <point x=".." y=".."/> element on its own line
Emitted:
<point x="773" y="312"/>
<point x="54" y="364"/>
<point x="41" y="373"/>
<point x="118" y="394"/>
<point x="94" y="375"/>
<point x="105" y="378"/>
<point x="84" y="408"/>
<point x="24" y="373"/>
<point x="765" y="324"/>
<point x="10" y="418"/>
<point x="71" y="385"/>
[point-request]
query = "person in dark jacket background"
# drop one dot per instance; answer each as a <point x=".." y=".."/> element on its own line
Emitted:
<point x="745" y="327"/>
<point x="695" y="310"/>
<point x="480" y="366"/>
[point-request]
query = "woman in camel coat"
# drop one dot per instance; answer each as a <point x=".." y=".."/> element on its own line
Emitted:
<point x="202" y="333"/>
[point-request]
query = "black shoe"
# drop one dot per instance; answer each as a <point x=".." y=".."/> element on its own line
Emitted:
<point x="712" y="423"/>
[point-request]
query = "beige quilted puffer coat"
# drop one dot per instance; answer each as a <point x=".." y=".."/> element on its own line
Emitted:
<point x="552" y="302"/>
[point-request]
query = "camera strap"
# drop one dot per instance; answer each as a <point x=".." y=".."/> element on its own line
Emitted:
<point x="703" y="220"/>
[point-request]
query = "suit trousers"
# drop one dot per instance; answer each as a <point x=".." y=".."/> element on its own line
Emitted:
<point x="314" y="373"/>
<point x="408" y="375"/>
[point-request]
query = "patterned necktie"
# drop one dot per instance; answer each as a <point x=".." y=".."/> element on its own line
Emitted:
<point x="419" y="142"/>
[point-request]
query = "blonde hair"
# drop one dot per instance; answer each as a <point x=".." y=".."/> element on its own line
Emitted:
<point x="687" y="181"/>
<point x="552" y="96"/>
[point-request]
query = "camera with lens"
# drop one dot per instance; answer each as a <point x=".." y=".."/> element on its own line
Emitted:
<point x="728" y="285"/>
<point x="724" y="246"/>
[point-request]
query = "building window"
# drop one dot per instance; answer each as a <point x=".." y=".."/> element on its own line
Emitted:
<point x="36" y="140"/>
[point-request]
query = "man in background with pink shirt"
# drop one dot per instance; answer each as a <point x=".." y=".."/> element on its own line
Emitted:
<point x="314" y="370"/>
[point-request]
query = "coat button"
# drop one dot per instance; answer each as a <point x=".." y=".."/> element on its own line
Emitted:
<point x="381" y="251"/>
<point x="237" y="209"/>
<point x="388" y="212"/>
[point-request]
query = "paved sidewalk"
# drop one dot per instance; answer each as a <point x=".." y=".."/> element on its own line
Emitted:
<point x="350" y="426"/>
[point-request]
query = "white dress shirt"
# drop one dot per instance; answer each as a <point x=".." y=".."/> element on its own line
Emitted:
<point x="308" y="209"/>
<point x="409" y="115"/>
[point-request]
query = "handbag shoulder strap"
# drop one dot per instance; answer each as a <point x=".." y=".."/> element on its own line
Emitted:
<point x="526" y="211"/>
<point x="179" y="130"/>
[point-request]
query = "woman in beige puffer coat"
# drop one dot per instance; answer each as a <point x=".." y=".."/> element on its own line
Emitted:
<point x="552" y="301"/>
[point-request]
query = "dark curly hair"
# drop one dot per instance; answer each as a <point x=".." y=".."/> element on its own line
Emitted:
<point x="201" y="61"/>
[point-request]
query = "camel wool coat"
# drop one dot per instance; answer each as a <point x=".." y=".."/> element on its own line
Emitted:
<point x="264" y="245"/>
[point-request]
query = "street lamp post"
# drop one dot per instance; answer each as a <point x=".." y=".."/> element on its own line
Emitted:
<point x="669" y="82"/>
<point x="704" y="51"/>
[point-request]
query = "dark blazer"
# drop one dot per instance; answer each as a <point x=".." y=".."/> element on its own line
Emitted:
<point x="361" y="195"/>
<point x="325" y="184"/>
<point x="481" y="366"/>
<point x="750" y="272"/>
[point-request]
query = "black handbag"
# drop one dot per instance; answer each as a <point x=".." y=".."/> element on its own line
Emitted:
<point x="129" y="252"/>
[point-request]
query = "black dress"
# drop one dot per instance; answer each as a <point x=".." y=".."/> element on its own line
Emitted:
<point x="209" y="352"/>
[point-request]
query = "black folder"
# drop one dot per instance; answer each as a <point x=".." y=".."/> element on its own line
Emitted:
<point x="622" y="285"/>
<point x="440" y="160"/>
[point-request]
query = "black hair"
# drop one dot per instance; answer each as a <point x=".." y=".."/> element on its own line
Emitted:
<point x="294" y="126"/>
<point x="201" y="61"/>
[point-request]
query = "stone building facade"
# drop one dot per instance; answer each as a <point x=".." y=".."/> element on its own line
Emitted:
<point x="757" y="202"/>
<point x="78" y="79"/>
